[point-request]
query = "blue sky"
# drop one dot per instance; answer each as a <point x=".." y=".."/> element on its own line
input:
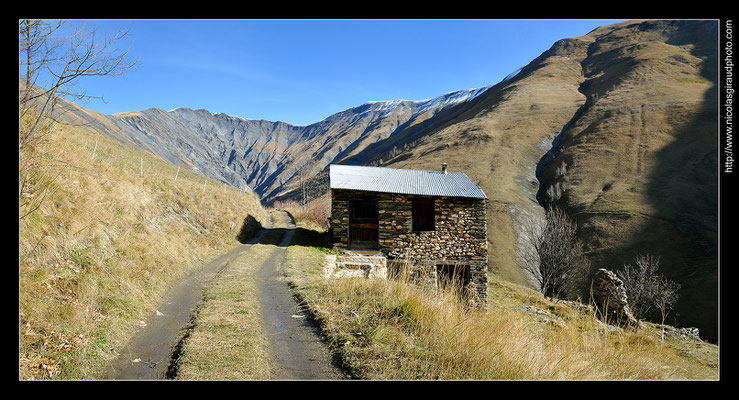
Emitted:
<point x="302" y="71"/>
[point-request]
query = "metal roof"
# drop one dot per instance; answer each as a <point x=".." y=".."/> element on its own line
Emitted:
<point x="403" y="181"/>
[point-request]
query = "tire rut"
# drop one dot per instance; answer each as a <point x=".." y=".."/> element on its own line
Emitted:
<point x="149" y="354"/>
<point x="297" y="351"/>
<point x="296" y="348"/>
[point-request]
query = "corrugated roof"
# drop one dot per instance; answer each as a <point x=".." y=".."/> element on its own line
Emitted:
<point x="403" y="181"/>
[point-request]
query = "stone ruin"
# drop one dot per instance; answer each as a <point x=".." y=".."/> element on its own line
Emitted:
<point x="609" y="294"/>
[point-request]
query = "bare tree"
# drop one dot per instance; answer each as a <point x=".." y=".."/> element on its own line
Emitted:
<point x="553" y="255"/>
<point x="649" y="292"/>
<point x="52" y="58"/>
<point x="668" y="295"/>
<point x="638" y="282"/>
<point x="304" y="175"/>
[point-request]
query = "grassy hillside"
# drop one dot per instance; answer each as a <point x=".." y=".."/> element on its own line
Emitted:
<point x="97" y="255"/>
<point x="387" y="329"/>
<point x="642" y="157"/>
<point x="632" y="107"/>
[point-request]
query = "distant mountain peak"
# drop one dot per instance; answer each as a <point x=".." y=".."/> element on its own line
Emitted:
<point x="421" y="106"/>
<point x="449" y="98"/>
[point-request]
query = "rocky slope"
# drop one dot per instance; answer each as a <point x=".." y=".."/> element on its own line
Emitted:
<point x="618" y="126"/>
<point x="268" y="157"/>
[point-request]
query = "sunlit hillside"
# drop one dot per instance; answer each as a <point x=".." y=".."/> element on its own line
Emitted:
<point x="116" y="227"/>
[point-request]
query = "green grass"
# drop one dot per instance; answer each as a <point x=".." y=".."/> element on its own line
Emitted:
<point x="694" y="80"/>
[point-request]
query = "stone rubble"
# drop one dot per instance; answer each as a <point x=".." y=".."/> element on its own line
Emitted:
<point x="610" y="297"/>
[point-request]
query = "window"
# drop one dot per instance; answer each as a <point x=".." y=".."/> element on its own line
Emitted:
<point x="423" y="214"/>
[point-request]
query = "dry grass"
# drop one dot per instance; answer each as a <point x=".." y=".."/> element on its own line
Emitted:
<point x="227" y="341"/>
<point x="314" y="215"/>
<point x="97" y="255"/>
<point x="391" y="330"/>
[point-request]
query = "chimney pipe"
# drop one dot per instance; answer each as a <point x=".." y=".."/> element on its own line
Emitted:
<point x="443" y="167"/>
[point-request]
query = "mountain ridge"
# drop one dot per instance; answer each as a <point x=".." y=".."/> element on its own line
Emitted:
<point x="606" y="125"/>
<point x="256" y="153"/>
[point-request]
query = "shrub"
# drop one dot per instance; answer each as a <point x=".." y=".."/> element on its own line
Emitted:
<point x="316" y="212"/>
<point x="649" y="293"/>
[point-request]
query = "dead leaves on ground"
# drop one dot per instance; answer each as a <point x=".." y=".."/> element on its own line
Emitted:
<point x="43" y="343"/>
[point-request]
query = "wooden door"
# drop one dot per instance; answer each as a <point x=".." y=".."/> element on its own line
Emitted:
<point x="363" y="225"/>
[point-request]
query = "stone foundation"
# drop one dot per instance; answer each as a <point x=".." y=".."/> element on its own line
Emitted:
<point x="427" y="274"/>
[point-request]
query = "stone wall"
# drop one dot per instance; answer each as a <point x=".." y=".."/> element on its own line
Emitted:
<point x="460" y="234"/>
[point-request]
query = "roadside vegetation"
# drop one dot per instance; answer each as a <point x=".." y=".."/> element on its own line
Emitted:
<point x="312" y="215"/>
<point x="98" y="251"/>
<point x="388" y="329"/>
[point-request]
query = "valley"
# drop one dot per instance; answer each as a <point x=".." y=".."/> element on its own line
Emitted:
<point x="631" y="107"/>
<point x="618" y="127"/>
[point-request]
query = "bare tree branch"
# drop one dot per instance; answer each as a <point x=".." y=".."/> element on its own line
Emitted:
<point x="552" y="253"/>
<point x="51" y="64"/>
<point x="65" y="60"/>
<point x="650" y="294"/>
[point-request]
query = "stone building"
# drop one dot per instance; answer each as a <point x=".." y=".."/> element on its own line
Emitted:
<point x="433" y="221"/>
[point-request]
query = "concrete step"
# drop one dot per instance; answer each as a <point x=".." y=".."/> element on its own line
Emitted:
<point x="350" y="265"/>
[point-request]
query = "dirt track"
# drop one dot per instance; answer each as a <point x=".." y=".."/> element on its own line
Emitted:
<point x="296" y="349"/>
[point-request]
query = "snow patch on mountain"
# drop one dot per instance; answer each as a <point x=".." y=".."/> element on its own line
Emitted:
<point x="422" y="106"/>
<point x="449" y="99"/>
<point x="511" y="75"/>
